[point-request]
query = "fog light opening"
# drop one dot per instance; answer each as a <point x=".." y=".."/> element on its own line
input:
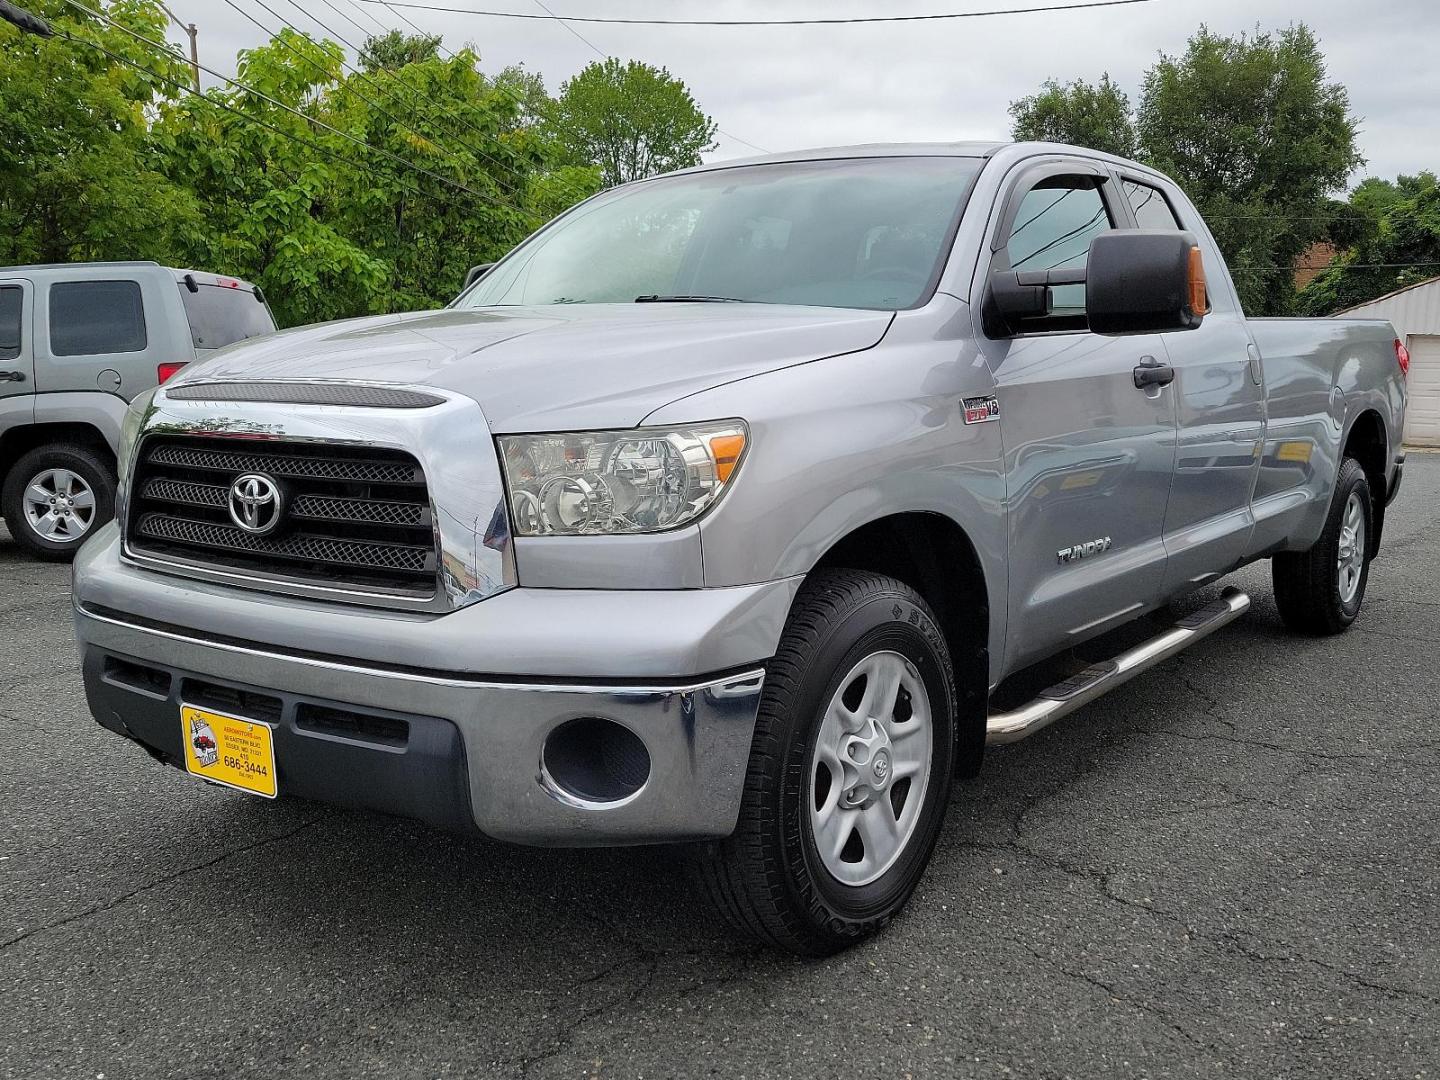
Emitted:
<point x="594" y="761"/>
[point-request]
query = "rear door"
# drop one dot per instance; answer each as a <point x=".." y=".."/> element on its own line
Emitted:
<point x="1088" y="457"/>
<point x="17" y="352"/>
<point x="1220" y="411"/>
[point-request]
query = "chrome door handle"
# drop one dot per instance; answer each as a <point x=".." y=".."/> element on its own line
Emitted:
<point x="1150" y="372"/>
<point x="12" y="376"/>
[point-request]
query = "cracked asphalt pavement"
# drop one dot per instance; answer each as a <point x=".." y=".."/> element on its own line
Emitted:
<point x="1230" y="866"/>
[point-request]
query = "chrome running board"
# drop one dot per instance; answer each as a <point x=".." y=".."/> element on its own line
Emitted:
<point x="1065" y="697"/>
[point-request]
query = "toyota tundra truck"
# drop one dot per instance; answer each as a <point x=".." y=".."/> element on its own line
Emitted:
<point x="716" y="511"/>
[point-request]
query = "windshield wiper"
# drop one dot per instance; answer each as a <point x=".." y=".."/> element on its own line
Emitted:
<point x="659" y="298"/>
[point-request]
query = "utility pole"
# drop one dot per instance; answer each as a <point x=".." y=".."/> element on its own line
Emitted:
<point x="193" y="32"/>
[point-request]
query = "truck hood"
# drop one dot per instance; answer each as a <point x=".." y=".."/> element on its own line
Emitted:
<point x="558" y="367"/>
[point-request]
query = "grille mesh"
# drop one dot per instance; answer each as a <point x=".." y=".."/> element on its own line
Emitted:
<point x="288" y="465"/>
<point x="297" y="546"/>
<point x="351" y="517"/>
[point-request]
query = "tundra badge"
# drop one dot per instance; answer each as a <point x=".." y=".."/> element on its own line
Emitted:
<point x="1080" y="551"/>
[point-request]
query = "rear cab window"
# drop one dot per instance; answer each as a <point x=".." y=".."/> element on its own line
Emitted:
<point x="221" y="315"/>
<point x="89" y="318"/>
<point x="11" y="302"/>
<point x="1152" y="210"/>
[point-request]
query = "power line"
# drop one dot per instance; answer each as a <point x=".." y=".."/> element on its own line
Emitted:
<point x="605" y="56"/>
<point x="166" y="51"/>
<point x="318" y="66"/>
<point x="1334" y="266"/>
<point x="414" y="93"/>
<point x="552" y="17"/>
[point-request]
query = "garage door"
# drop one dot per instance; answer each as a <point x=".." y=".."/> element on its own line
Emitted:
<point x="1422" y="418"/>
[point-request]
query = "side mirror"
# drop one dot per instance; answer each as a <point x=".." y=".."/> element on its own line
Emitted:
<point x="1145" y="281"/>
<point x="476" y="273"/>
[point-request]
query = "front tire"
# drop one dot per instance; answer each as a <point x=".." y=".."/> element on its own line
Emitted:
<point x="55" y="497"/>
<point x="849" y="773"/>
<point x="1320" y="591"/>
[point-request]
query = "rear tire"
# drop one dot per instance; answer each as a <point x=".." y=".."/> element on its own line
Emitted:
<point x="1320" y="591"/>
<point x="56" y="497"/>
<point x="849" y="773"/>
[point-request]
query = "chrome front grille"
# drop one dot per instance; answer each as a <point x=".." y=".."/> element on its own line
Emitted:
<point x="352" y="517"/>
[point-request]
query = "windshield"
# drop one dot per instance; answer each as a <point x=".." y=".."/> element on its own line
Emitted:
<point x="856" y="233"/>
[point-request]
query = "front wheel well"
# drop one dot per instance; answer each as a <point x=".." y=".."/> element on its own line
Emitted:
<point x="931" y="553"/>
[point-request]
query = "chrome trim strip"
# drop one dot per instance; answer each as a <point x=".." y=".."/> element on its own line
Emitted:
<point x="740" y="685"/>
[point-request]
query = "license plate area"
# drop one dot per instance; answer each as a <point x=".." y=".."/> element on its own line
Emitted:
<point x="229" y="750"/>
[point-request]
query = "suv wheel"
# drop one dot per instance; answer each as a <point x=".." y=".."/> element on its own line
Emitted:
<point x="1320" y="591"/>
<point x="55" y="497"/>
<point x="849" y="772"/>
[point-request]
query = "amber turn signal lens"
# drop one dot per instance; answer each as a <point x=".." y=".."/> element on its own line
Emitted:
<point x="727" y="450"/>
<point x="1199" y="298"/>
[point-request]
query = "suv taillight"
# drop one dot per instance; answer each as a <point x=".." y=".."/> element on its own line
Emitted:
<point x="1402" y="355"/>
<point x="165" y="371"/>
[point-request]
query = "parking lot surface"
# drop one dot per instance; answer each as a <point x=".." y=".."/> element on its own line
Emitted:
<point x="1230" y="866"/>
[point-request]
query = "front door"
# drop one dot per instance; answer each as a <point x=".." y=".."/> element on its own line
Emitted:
<point x="1088" y="456"/>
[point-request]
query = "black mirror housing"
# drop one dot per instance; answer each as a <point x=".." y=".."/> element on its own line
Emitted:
<point x="1144" y="281"/>
<point x="476" y="273"/>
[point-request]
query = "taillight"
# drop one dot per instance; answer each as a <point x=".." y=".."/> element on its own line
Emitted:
<point x="165" y="371"/>
<point x="1402" y="355"/>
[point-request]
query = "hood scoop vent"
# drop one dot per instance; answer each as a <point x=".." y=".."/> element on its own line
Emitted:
<point x="307" y="393"/>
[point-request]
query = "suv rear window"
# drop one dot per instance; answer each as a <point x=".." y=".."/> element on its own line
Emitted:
<point x="221" y="316"/>
<point x="91" y="317"/>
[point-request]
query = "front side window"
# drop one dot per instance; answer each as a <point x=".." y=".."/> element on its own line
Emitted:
<point x="1057" y="219"/>
<point x="1152" y="209"/>
<point x="11" y="297"/>
<point x="855" y="232"/>
<point x="92" y="317"/>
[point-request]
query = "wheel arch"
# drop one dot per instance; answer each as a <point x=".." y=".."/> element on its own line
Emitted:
<point x="933" y="554"/>
<point x="20" y="440"/>
<point x="1368" y="444"/>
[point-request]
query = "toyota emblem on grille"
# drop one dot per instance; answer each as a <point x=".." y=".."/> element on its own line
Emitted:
<point x="255" y="503"/>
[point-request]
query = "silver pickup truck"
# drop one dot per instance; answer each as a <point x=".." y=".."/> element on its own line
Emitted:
<point x="719" y="508"/>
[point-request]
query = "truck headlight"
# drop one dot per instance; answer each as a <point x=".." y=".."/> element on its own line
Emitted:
<point x="612" y="482"/>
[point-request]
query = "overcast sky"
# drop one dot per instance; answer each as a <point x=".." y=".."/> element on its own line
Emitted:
<point x="788" y="87"/>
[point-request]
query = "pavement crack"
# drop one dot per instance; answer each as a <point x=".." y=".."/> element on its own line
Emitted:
<point x="117" y="901"/>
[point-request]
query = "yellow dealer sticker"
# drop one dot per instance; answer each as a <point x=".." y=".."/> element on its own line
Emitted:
<point x="228" y="750"/>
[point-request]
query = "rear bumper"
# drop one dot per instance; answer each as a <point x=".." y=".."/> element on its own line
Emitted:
<point x="456" y="750"/>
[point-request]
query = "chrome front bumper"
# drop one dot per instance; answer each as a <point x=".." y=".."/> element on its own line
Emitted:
<point x="697" y="730"/>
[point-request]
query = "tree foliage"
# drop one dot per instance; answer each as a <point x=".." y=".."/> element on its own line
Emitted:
<point x="630" y="119"/>
<point x="1097" y="116"/>
<point x="1396" y="244"/>
<point x="1250" y="126"/>
<point x="340" y="192"/>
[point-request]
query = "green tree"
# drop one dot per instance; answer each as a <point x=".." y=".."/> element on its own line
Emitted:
<point x="1250" y="126"/>
<point x="77" y="179"/>
<point x="1399" y="245"/>
<point x="392" y="51"/>
<point x="1259" y="137"/>
<point x="1097" y="116"/>
<point x="630" y="119"/>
